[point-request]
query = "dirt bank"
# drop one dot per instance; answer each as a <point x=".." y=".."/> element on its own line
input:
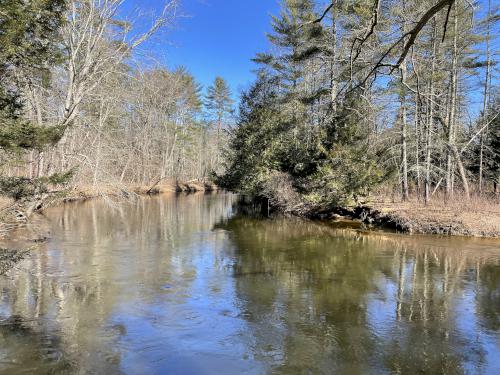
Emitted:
<point x="475" y="217"/>
<point x="478" y="217"/>
<point x="88" y="192"/>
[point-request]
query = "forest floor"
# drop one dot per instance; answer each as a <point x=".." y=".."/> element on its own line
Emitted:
<point x="478" y="217"/>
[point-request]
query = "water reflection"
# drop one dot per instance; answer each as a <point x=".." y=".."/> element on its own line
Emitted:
<point x="182" y="285"/>
<point x="344" y="301"/>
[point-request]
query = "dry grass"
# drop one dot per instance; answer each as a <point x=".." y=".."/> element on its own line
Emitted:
<point x="478" y="216"/>
<point x="5" y="203"/>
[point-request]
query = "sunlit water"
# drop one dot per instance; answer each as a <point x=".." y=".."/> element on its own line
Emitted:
<point x="185" y="285"/>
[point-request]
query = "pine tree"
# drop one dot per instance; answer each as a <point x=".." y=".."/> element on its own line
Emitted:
<point x="290" y="147"/>
<point x="290" y="36"/>
<point x="492" y="154"/>
<point x="250" y="155"/>
<point x="28" y="42"/>
<point x="219" y="103"/>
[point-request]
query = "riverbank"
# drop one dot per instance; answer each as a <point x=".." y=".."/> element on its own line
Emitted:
<point x="477" y="217"/>
<point x="172" y="186"/>
<point x="15" y="214"/>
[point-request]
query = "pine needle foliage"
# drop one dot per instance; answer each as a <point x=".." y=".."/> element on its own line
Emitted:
<point x="29" y="42"/>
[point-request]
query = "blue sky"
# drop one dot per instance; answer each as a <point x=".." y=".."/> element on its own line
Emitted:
<point x="215" y="37"/>
<point x="220" y="37"/>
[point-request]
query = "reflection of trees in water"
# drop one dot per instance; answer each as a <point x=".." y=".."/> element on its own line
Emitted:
<point x="312" y="296"/>
<point x="344" y="301"/>
<point x="103" y="256"/>
<point x="431" y="332"/>
<point x="24" y="342"/>
<point x="488" y="296"/>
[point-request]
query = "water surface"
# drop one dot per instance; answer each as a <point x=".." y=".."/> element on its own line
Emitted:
<point x="186" y="285"/>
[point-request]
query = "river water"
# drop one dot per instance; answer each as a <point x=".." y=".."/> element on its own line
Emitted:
<point x="187" y="285"/>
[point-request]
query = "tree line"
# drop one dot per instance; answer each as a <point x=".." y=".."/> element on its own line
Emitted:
<point x="356" y="95"/>
<point x="83" y="101"/>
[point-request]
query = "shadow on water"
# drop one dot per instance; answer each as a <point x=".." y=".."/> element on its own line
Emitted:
<point x="190" y="285"/>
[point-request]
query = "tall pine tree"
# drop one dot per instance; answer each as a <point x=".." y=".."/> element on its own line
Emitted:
<point x="219" y="103"/>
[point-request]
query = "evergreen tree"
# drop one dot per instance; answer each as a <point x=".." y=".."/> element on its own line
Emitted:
<point x="492" y="154"/>
<point x="289" y="146"/>
<point x="250" y="157"/>
<point x="29" y="43"/>
<point x="290" y="37"/>
<point x="219" y="103"/>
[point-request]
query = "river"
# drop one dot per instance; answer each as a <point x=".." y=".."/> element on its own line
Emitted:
<point x="187" y="285"/>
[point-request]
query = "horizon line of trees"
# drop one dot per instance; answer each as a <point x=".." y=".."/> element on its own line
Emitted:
<point x="354" y="95"/>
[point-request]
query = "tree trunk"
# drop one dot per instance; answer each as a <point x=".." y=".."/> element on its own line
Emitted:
<point x="219" y="125"/>
<point x="430" y="121"/>
<point x="451" y="111"/>
<point x="461" y="170"/>
<point x="97" y="160"/>
<point x="333" y="78"/>
<point x="486" y="93"/>
<point x="417" y="145"/>
<point x="404" y="151"/>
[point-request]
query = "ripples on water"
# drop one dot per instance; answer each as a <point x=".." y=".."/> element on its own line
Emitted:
<point x="184" y="285"/>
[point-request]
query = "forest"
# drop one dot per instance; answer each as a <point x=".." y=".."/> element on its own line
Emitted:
<point x="353" y="99"/>
<point x="365" y="94"/>
<point x="84" y="107"/>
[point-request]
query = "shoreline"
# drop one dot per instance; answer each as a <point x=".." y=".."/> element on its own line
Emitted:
<point x="404" y="218"/>
<point x="475" y="217"/>
<point x="417" y="219"/>
<point x="14" y="215"/>
<point x="407" y="218"/>
<point x="85" y="193"/>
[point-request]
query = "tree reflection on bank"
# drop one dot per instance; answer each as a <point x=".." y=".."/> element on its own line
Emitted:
<point x="181" y="285"/>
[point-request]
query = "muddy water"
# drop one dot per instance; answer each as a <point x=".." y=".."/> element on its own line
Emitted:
<point x="186" y="285"/>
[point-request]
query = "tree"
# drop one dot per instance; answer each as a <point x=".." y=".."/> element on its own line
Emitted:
<point x="249" y="152"/>
<point x="486" y="95"/>
<point x="68" y="75"/>
<point x="29" y="40"/>
<point x="293" y="145"/>
<point x="494" y="155"/>
<point x="488" y="149"/>
<point x="359" y="91"/>
<point x="219" y="103"/>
